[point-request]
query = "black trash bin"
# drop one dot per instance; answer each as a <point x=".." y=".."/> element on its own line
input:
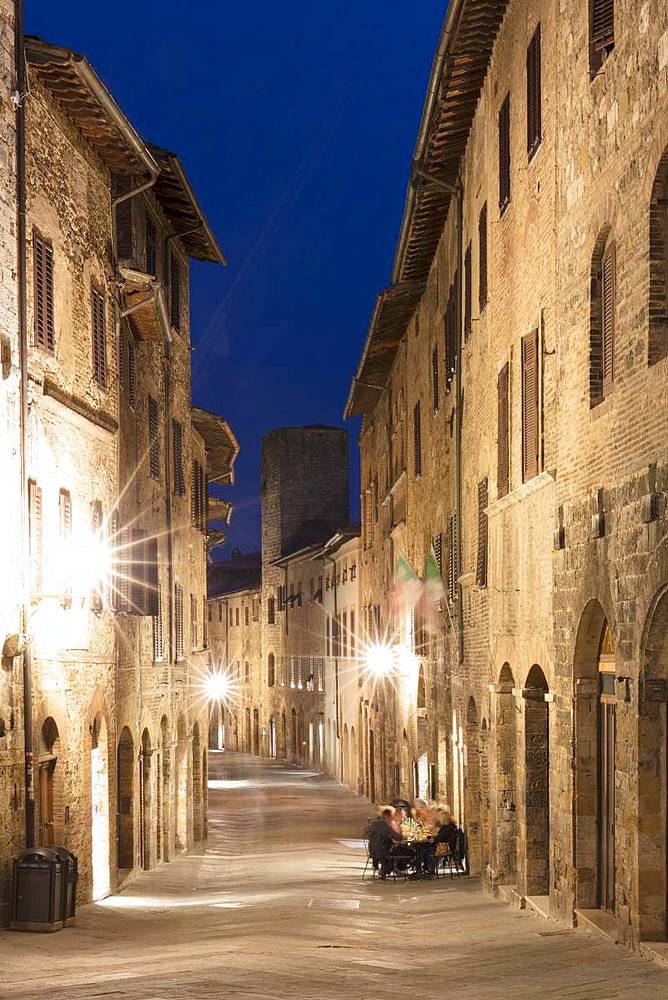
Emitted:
<point x="37" y="891"/>
<point x="70" y="864"/>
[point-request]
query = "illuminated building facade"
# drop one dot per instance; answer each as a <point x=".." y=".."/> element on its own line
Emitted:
<point x="513" y="396"/>
<point x="117" y="468"/>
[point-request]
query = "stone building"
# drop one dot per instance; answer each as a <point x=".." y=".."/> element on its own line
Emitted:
<point x="117" y="465"/>
<point x="513" y="390"/>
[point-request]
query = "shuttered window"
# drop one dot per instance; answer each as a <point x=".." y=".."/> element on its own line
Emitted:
<point x="481" y="563"/>
<point x="435" y="387"/>
<point x="417" y="441"/>
<point x="198" y="502"/>
<point x="451" y="338"/>
<point x="99" y="340"/>
<point x="153" y="439"/>
<point x="175" y="289"/>
<point x="452" y="557"/>
<point x="151" y="246"/>
<point x="467" y="293"/>
<point x="124" y="226"/>
<point x="45" y="335"/>
<point x="193" y="621"/>
<point x="530" y="415"/>
<point x="97" y="528"/>
<point x="503" y="431"/>
<point x="601" y="31"/>
<point x="132" y="371"/>
<point x="177" y="449"/>
<point x="482" y="258"/>
<point x="271" y="611"/>
<point x="135" y="585"/>
<point x="608" y="283"/>
<point x="158" y="649"/>
<point x="437" y="543"/>
<point x="178" y="622"/>
<point x="504" y="155"/>
<point x="65" y="512"/>
<point x="35" y="514"/>
<point x="534" y="124"/>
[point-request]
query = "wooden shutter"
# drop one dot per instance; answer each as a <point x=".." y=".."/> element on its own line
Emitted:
<point x="467" y="293"/>
<point x="96" y="527"/>
<point x="503" y="431"/>
<point x="35" y="512"/>
<point x="132" y="371"/>
<point x="608" y="283"/>
<point x="452" y="557"/>
<point x="417" y="441"/>
<point x="154" y="443"/>
<point x="43" y="290"/>
<point x="193" y="621"/>
<point x="534" y="125"/>
<point x="481" y="565"/>
<point x="194" y="495"/>
<point x="124" y="241"/>
<point x="437" y="543"/>
<point x="504" y="154"/>
<point x="98" y="338"/>
<point x="435" y="387"/>
<point x="602" y="24"/>
<point x="530" y="421"/>
<point x="177" y="448"/>
<point x="178" y="621"/>
<point x="158" y="649"/>
<point x="175" y="286"/>
<point x="482" y="258"/>
<point x="204" y="501"/>
<point x="151" y="246"/>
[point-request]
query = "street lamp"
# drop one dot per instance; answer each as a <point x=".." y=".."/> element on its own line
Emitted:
<point x="379" y="659"/>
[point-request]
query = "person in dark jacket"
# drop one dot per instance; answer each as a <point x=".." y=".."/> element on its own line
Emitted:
<point x="382" y="837"/>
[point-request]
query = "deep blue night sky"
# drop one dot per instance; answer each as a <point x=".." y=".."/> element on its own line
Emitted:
<point x="296" y="123"/>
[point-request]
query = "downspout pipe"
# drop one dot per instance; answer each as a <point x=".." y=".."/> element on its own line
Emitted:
<point x="21" y="94"/>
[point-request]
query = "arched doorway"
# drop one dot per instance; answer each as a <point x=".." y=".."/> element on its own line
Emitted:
<point x="536" y="806"/>
<point x="164" y="825"/>
<point x="256" y="732"/>
<point x="272" y="737"/>
<point x="485" y="839"/>
<point x="346" y="761"/>
<point x="652" y="778"/>
<point x="182" y="785"/>
<point x="99" y="772"/>
<point x="146" y="802"/>
<point x="284" y="734"/>
<point x="247" y="734"/>
<point x="506" y="777"/>
<point x="352" y="764"/>
<point x="595" y="737"/>
<point x="301" y="734"/>
<point x="293" y="732"/>
<point x="197" y="785"/>
<point x="471" y="772"/>
<point x="51" y="788"/>
<point x="125" y="774"/>
<point x="458" y="796"/>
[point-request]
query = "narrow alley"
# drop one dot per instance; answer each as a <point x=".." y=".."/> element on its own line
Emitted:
<point x="275" y="908"/>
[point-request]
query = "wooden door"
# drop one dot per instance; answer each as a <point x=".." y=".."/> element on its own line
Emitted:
<point x="606" y="806"/>
<point x="47" y="833"/>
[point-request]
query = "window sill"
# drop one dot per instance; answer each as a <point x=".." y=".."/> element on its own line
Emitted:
<point x="522" y="492"/>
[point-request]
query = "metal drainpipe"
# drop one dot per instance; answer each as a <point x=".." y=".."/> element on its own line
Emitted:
<point x="335" y="647"/>
<point x="21" y="94"/>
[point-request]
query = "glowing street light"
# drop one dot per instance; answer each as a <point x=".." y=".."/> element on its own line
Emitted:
<point x="217" y="686"/>
<point x="380" y="659"/>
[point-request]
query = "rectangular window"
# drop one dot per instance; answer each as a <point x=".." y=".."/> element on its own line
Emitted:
<point x="530" y="416"/>
<point x="236" y="616"/>
<point x="292" y="672"/>
<point x="205" y="625"/>
<point x="154" y="442"/>
<point x="151" y="246"/>
<point x="158" y="651"/>
<point x="320" y="673"/>
<point x="482" y="258"/>
<point x="608" y="281"/>
<point x="36" y="541"/>
<point x="247" y="676"/>
<point x="417" y="441"/>
<point x="534" y="124"/>
<point x="468" y="320"/>
<point x="177" y="450"/>
<point x="193" y="621"/>
<point x="178" y="621"/>
<point x="99" y="339"/>
<point x="271" y="611"/>
<point x="220" y="612"/>
<point x="246" y="616"/>
<point x="481" y="564"/>
<point x="65" y="512"/>
<point x="131" y="372"/>
<point x="451" y="336"/>
<point x="503" y="432"/>
<point x="601" y="32"/>
<point x="175" y="289"/>
<point x="135" y="586"/>
<point x="344" y="635"/>
<point x="504" y="154"/>
<point x="434" y="379"/>
<point x="352" y="642"/>
<point x="45" y="335"/>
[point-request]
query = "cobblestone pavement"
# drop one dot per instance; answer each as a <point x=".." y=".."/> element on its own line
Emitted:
<point x="275" y="908"/>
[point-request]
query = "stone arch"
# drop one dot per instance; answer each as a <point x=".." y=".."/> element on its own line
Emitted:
<point x="197" y="798"/>
<point x="535" y="812"/>
<point x="658" y="264"/>
<point x="182" y="783"/>
<point x="595" y="760"/>
<point x="164" y="795"/>
<point x="100" y="811"/>
<point x="125" y="780"/>
<point x="505" y="777"/>
<point x="652" y="774"/>
<point x="146" y="825"/>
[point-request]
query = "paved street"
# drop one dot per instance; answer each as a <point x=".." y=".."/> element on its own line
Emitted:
<point x="275" y="908"/>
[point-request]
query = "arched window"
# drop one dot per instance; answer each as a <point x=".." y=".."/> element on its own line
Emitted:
<point x="602" y="331"/>
<point x="271" y="670"/>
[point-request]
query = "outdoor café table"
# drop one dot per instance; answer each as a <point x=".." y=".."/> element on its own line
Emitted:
<point x="417" y="849"/>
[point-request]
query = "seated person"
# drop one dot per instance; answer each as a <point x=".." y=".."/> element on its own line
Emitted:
<point x="447" y="829"/>
<point x="382" y="838"/>
<point x="398" y="818"/>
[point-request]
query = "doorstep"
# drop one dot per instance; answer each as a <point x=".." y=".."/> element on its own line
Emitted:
<point x="539" y="904"/>
<point x="599" y="922"/>
<point x="656" y="950"/>
<point x="510" y="895"/>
